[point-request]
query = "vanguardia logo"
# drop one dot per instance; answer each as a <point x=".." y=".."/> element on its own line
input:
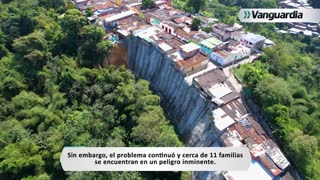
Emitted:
<point x="247" y="14"/>
<point x="273" y="15"/>
<point x="279" y="15"/>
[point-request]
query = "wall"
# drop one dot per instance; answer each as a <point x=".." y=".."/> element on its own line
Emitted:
<point x="183" y="102"/>
<point x="190" y="113"/>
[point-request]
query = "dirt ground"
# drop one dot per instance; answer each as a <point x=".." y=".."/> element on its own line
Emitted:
<point x="117" y="58"/>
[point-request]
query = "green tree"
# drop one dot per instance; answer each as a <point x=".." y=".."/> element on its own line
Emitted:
<point x="93" y="49"/>
<point x="89" y="12"/>
<point x="196" y="5"/>
<point x="273" y="90"/>
<point x="71" y="22"/>
<point x="195" y="24"/>
<point x="303" y="149"/>
<point x="207" y="29"/>
<point x="23" y="156"/>
<point x="33" y="48"/>
<point x="55" y="4"/>
<point x="148" y="3"/>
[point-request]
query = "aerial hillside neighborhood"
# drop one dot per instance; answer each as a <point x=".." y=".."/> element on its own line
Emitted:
<point x="201" y="57"/>
<point x="307" y="29"/>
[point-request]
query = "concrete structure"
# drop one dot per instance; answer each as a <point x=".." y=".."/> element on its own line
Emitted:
<point x="253" y="41"/>
<point x="188" y="50"/>
<point x="169" y="27"/>
<point x="217" y="90"/>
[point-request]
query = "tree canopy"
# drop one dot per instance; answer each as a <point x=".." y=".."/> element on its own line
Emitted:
<point x="54" y="93"/>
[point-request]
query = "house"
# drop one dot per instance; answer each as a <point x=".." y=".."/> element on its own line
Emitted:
<point x="224" y="32"/>
<point x="207" y="46"/>
<point x="169" y="27"/>
<point x="183" y="20"/>
<point x="214" y="86"/>
<point x="112" y="20"/>
<point x="81" y="2"/>
<point x="189" y="50"/>
<point x="175" y="44"/>
<point x="193" y="64"/>
<point x="221" y="119"/>
<point x="155" y="19"/>
<point x="221" y="31"/>
<point x="183" y="35"/>
<point x="268" y="164"/>
<point x="107" y="6"/>
<point x="275" y="154"/>
<point x="253" y="41"/>
<point x="129" y="24"/>
<point x="230" y="55"/>
<point x="200" y="36"/>
<point x="204" y="21"/>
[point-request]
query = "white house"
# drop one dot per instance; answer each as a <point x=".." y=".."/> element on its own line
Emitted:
<point x="253" y="41"/>
<point x="233" y="53"/>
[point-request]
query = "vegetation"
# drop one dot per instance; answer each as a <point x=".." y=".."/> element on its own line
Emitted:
<point x="53" y="93"/>
<point x="89" y="12"/>
<point x="195" y="24"/>
<point x="148" y="3"/>
<point x="315" y="3"/>
<point x="195" y="5"/>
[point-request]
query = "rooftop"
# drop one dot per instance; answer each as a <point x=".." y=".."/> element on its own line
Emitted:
<point x="254" y="38"/>
<point x="275" y="154"/>
<point x="182" y="33"/>
<point x="221" y="120"/>
<point x="210" y="78"/>
<point x="207" y="44"/>
<point x="174" y="43"/>
<point x="223" y="53"/>
<point x="255" y="171"/>
<point x="214" y="41"/>
<point x="235" y="109"/>
<point x="164" y="46"/>
<point x="196" y="59"/>
<point x="119" y="16"/>
<point x="189" y="47"/>
<point x="268" y="164"/>
<point x="171" y="24"/>
<point x="200" y="36"/>
<point x="103" y="6"/>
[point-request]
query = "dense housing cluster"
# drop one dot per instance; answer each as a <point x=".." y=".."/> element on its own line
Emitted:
<point x="308" y="29"/>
